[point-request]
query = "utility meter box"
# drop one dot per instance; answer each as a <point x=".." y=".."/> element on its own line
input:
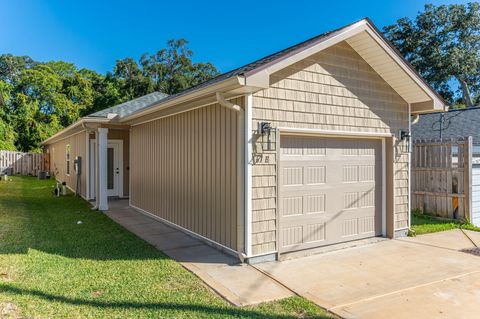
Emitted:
<point x="77" y="165"/>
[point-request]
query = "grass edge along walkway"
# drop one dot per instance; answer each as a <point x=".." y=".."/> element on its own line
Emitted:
<point x="426" y="224"/>
<point x="59" y="259"/>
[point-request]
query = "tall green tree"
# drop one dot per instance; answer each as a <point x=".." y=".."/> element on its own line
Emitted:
<point x="11" y="67"/>
<point x="172" y="70"/>
<point x="46" y="98"/>
<point x="106" y="91"/>
<point x="38" y="99"/>
<point x="7" y="133"/>
<point x="443" y="44"/>
<point x="130" y="79"/>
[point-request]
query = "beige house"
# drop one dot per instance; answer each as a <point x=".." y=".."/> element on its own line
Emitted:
<point x="304" y="148"/>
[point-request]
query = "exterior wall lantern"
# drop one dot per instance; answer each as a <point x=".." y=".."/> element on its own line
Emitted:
<point x="268" y="136"/>
<point x="405" y="137"/>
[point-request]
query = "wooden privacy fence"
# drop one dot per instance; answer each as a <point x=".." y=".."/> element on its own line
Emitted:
<point x="441" y="180"/>
<point x="21" y="163"/>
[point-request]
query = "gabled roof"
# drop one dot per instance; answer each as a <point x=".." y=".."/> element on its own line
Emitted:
<point x="361" y="35"/>
<point x="364" y="38"/>
<point x="115" y="113"/>
<point x="453" y="124"/>
<point x="131" y="106"/>
<point x="241" y="71"/>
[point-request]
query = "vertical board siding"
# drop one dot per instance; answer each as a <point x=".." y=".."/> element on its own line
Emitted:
<point x="335" y="90"/>
<point x="183" y="169"/>
<point x="58" y="162"/>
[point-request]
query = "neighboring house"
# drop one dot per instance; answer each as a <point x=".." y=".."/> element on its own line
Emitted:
<point x="301" y="149"/>
<point x="455" y="125"/>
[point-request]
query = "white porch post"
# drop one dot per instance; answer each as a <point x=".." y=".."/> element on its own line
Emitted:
<point x="101" y="172"/>
<point x="95" y="172"/>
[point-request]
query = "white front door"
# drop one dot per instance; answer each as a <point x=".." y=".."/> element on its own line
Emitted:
<point x="114" y="168"/>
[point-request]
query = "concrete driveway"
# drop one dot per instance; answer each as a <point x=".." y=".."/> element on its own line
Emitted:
<point x="430" y="276"/>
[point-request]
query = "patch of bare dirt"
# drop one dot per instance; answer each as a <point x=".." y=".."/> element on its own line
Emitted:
<point x="8" y="311"/>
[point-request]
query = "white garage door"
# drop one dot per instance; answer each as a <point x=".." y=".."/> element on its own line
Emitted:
<point x="330" y="191"/>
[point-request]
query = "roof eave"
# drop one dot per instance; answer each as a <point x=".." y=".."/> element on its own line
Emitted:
<point x="432" y="106"/>
<point x="435" y="102"/>
<point x="304" y="52"/>
<point x="81" y="122"/>
<point x="228" y="84"/>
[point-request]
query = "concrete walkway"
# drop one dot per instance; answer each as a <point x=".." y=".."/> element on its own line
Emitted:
<point x="240" y="284"/>
<point x="429" y="276"/>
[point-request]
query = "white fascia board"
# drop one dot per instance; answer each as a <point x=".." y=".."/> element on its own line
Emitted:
<point x="82" y="121"/>
<point x="437" y="102"/>
<point x="260" y="76"/>
<point x="58" y="134"/>
<point x="256" y="75"/>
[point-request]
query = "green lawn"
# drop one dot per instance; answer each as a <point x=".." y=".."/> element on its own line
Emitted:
<point x="424" y="224"/>
<point x="53" y="267"/>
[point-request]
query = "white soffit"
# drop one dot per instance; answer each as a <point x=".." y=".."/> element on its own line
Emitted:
<point x="376" y="56"/>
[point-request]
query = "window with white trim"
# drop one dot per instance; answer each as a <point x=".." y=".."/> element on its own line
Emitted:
<point x="67" y="157"/>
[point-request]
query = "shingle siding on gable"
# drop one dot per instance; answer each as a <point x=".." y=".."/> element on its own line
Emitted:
<point x="332" y="90"/>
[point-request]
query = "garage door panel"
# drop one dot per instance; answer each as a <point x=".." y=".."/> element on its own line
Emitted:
<point x="293" y="175"/>
<point x="356" y="227"/>
<point x="329" y="195"/>
<point x="356" y="199"/>
<point x="303" y="231"/>
<point x="300" y="203"/>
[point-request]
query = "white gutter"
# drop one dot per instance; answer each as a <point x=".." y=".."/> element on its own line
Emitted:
<point x="241" y="216"/>
<point x="81" y="121"/>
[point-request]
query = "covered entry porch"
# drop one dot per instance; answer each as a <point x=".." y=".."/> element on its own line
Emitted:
<point x="107" y="164"/>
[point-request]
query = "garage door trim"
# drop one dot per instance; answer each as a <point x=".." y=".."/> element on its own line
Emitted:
<point x="282" y="132"/>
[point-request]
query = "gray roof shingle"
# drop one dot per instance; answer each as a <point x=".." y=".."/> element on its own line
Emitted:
<point x="453" y="124"/>
<point x="132" y="106"/>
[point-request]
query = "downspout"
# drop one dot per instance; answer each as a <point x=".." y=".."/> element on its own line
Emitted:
<point x="412" y="120"/>
<point x="241" y="217"/>
<point x="410" y="164"/>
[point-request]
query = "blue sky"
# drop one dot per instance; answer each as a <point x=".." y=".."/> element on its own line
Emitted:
<point x="93" y="34"/>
